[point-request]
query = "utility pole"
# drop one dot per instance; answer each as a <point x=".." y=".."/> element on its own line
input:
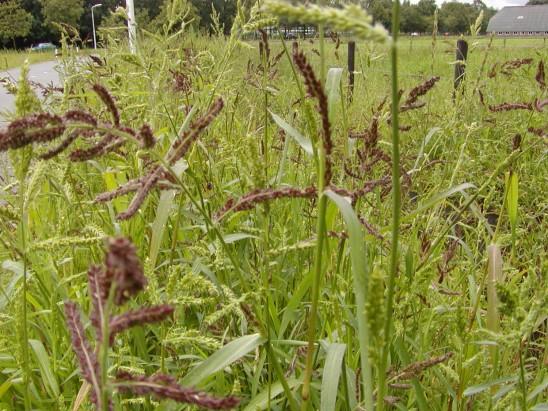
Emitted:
<point x="132" y="26"/>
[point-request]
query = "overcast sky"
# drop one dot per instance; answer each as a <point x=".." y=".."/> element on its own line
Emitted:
<point x="498" y="4"/>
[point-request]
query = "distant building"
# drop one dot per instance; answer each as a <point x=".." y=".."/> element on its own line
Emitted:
<point x="520" y="21"/>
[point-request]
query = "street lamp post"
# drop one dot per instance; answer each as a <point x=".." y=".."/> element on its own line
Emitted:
<point x="93" y="24"/>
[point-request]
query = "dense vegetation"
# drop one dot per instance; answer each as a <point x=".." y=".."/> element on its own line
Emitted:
<point x="262" y="204"/>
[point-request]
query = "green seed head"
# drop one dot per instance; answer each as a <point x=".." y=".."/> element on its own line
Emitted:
<point x="351" y="18"/>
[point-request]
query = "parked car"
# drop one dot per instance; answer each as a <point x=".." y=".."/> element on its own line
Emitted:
<point x="290" y="36"/>
<point x="44" y="47"/>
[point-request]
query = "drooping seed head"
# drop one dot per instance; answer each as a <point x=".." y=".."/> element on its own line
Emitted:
<point x="124" y="269"/>
<point x="540" y="77"/>
<point x="165" y="387"/>
<point x="108" y="101"/>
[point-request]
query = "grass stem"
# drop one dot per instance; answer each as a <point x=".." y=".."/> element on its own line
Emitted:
<point x="25" y="337"/>
<point x="103" y="350"/>
<point x="396" y="208"/>
<point x="320" y="240"/>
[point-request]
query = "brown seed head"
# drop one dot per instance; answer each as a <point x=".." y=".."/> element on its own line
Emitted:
<point x="146" y="137"/>
<point x="514" y="64"/>
<point x="181" y="82"/>
<point x="315" y="89"/>
<point x="124" y="269"/>
<point x="36" y="128"/>
<point x="164" y="386"/>
<point x="97" y="60"/>
<point x="146" y="315"/>
<point x="540" y="132"/>
<point x="184" y="142"/>
<point x="511" y="106"/>
<point x="80" y="116"/>
<point x="108" y="101"/>
<point x="265" y="45"/>
<point x="516" y="142"/>
<point x="540" y="77"/>
<point x="89" y="366"/>
<point x="250" y="200"/>
<point x="421" y="90"/>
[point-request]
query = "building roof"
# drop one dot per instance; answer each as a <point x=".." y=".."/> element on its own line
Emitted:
<point x="520" y="18"/>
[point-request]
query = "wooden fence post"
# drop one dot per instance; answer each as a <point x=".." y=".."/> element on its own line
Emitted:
<point x="460" y="66"/>
<point x="351" y="67"/>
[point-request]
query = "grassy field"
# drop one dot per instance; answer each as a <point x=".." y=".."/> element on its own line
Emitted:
<point x="276" y="271"/>
<point x="13" y="59"/>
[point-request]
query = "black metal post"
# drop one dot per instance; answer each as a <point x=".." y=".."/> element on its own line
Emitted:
<point x="351" y="67"/>
<point x="460" y="65"/>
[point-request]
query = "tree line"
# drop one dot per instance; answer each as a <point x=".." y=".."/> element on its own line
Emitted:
<point x="452" y="17"/>
<point x="27" y="22"/>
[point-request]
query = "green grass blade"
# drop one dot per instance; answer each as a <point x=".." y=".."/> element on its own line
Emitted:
<point x="361" y="278"/>
<point x="5" y="292"/>
<point x="494" y="257"/>
<point x="434" y="200"/>
<point x="5" y="387"/>
<point x="301" y="140"/>
<point x="425" y="142"/>
<point x="235" y="237"/>
<point x="230" y="353"/>
<point x="48" y="376"/>
<point x="538" y="389"/>
<point x="331" y="375"/>
<point x="162" y="214"/>
<point x="290" y="312"/>
<point x="158" y="226"/>
<point x="512" y="203"/>
<point x="332" y="87"/>
<point x="476" y="389"/>
<point x="262" y="400"/>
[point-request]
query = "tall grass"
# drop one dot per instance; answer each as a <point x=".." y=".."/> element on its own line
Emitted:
<point x="316" y="299"/>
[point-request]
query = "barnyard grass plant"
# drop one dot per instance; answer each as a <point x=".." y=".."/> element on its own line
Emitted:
<point x="301" y="250"/>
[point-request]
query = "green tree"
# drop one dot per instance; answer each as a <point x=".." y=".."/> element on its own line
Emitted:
<point x="487" y="14"/>
<point x="456" y="17"/>
<point x="99" y="13"/>
<point x="14" y="21"/>
<point x="411" y="19"/>
<point x="62" y="11"/>
<point x="172" y="15"/>
<point x="153" y="7"/>
<point x="39" y="31"/>
<point x="427" y="7"/>
<point x="224" y="9"/>
<point x="536" y="2"/>
<point x="381" y="11"/>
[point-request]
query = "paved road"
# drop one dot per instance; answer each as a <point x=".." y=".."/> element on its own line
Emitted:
<point x="43" y="73"/>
